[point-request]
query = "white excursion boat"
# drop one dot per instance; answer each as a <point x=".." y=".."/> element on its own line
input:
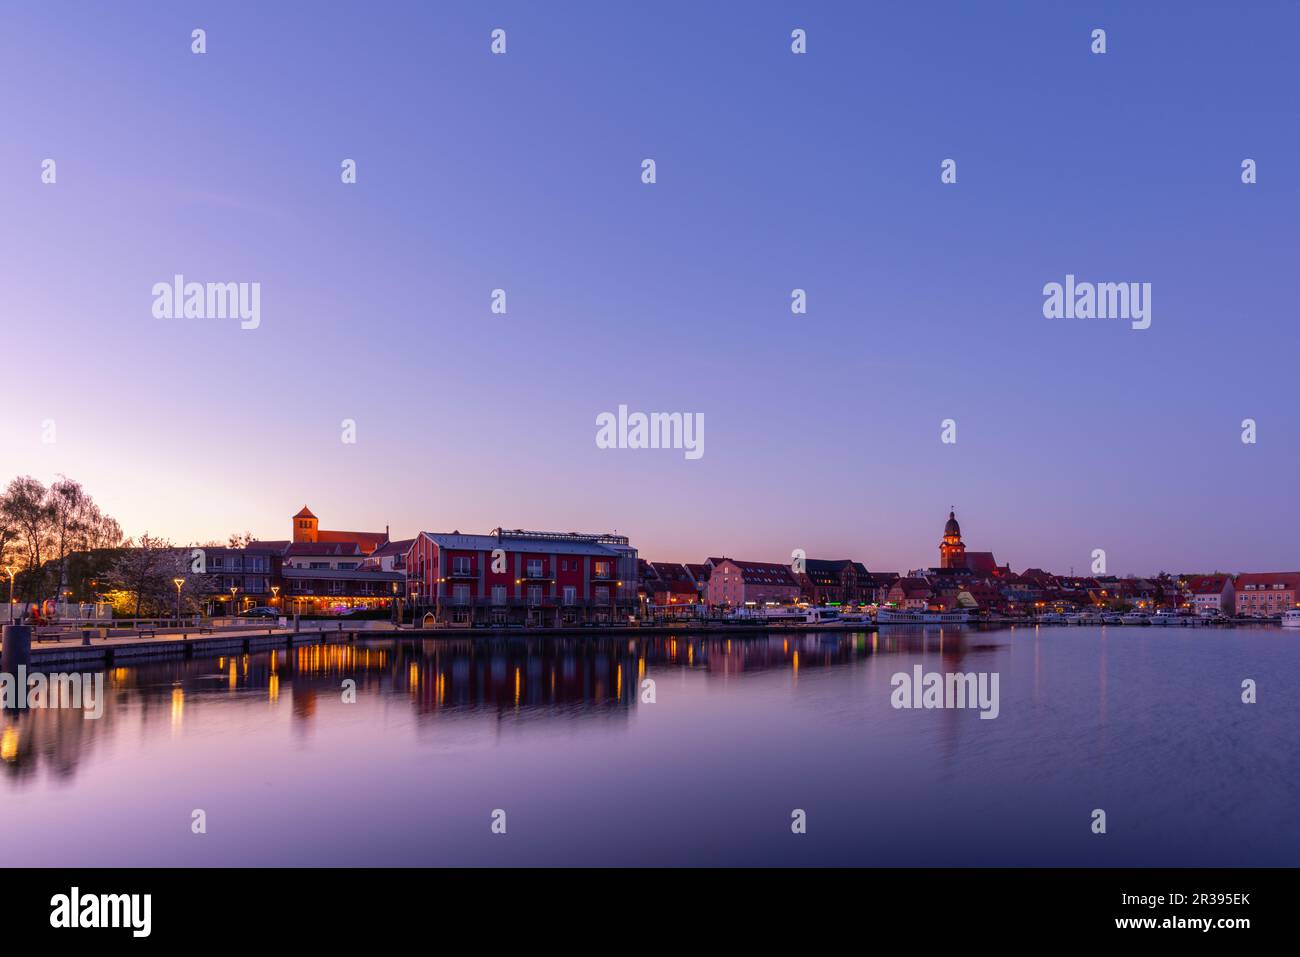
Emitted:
<point x="1291" y="619"/>
<point x="1135" y="618"/>
<point x="1166" y="616"/>
<point x="1052" y="618"/>
<point x="899" y="616"/>
<point x="794" y="615"/>
<point x="821" y="615"/>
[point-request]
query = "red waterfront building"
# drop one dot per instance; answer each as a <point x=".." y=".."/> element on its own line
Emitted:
<point x="513" y="576"/>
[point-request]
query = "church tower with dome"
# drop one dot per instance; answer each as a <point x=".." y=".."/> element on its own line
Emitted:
<point x="952" y="551"/>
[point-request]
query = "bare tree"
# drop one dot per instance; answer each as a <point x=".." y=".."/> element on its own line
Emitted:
<point x="145" y="571"/>
<point x="25" y="508"/>
<point x="41" y="528"/>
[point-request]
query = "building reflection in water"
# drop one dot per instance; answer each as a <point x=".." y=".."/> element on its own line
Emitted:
<point x="521" y="677"/>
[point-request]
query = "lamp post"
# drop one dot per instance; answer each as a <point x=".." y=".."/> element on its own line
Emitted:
<point x="275" y="594"/>
<point x="234" y="609"/>
<point x="415" y="601"/>
<point x="178" y="582"/>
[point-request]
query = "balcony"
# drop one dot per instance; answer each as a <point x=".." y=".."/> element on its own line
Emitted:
<point x="462" y="574"/>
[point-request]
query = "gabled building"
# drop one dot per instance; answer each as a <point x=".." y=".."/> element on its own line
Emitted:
<point x="1266" y="594"/>
<point x="1211" y="594"/>
<point x="670" y="590"/>
<point x="734" y="583"/>
<point x="835" y="582"/>
<point x="389" y="557"/>
<point x="877" y="588"/>
<point x="910" y="594"/>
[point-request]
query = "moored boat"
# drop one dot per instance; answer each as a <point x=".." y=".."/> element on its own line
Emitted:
<point x="900" y="616"/>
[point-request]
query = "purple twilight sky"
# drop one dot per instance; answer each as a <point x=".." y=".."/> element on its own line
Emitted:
<point x="775" y="171"/>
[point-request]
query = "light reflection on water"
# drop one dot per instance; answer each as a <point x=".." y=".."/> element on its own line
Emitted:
<point x="1146" y="724"/>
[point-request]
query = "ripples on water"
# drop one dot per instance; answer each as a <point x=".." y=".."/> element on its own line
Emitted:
<point x="1147" y="725"/>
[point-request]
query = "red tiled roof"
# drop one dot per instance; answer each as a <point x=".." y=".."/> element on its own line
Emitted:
<point x="763" y="573"/>
<point x="400" y="547"/>
<point x="279" y="545"/>
<point x="368" y="541"/>
<point x="305" y="513"/>
<point x="1258" y="579"/>
<point x="912" y="586"/>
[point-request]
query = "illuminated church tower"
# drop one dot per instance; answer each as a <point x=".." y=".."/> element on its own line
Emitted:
<point x="952" y="552"/>
<point x="306" y="526"/>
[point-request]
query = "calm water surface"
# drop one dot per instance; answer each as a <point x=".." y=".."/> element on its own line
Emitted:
<point x="1147" y="724"/>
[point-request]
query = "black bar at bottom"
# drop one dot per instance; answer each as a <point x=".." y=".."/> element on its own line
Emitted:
<point x="529" y="906"/>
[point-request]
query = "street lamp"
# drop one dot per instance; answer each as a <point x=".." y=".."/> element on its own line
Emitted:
<point x="178" y="582"/>
<point x="275" y="594"/>
<point x="234" y="609"/>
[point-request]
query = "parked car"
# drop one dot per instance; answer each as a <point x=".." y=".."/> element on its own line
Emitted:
<point x="262" y="612"/>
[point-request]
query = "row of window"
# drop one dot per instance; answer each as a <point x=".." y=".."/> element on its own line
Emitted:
<point x="234" y="563"/>
<point x="535" y="567"/>
<point x="460" y="595"/>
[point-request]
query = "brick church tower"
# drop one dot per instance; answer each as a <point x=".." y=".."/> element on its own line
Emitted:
<point x="306" y="526"/>
<point x="952" y="551"/>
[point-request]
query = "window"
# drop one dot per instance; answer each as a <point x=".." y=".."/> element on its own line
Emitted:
<point x="498" y="594"/>
<point x="460" y="594"/>
<point x="534" y="568"/>
<point x="602" y="569"/>
<point x="570" y="595"/>
<point x="602" y="595"/>
<point x="460" y="565"/>
<point x="534" y="594"/>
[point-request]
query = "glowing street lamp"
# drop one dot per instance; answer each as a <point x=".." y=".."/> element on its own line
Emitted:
<point x="178" y="582"/>
<point x="275" y="593"/>
<point x="234" y="609"/>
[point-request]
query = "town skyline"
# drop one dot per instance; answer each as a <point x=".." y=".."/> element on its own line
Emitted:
<point x="665" y="543"/>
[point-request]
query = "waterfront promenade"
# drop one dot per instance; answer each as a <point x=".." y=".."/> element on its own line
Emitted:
<point x="71" y="650"/>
